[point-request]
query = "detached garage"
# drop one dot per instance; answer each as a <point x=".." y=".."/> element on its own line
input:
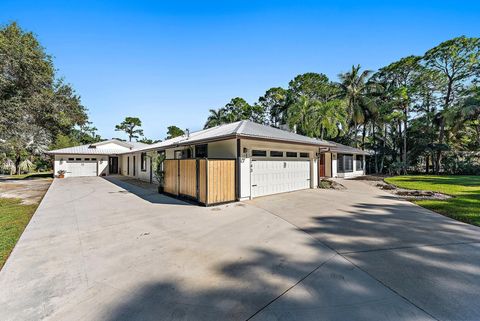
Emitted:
<point x="99" y="159"/>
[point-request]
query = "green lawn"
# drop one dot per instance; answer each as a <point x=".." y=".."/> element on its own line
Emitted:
<point x="31" y="175"/>
<point x="13" y="218"/>
<point x="463" y="206"/>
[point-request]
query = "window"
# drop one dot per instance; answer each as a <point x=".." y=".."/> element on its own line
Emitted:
<point x="304" y="154"/>
<point x="128" y="165"/>
<point x="178" y="154"/>
<point x="201" y="151"/>
<point x="275" y="153"/>
<point x="344" y="163"/>
<point x="94" y="159"/>
<point x="183" y="153"/>
<point x="359" y="162"/>
<point x="259" y="153"/>
<point x="134" y="169"/>
<point x="87" y="159"/>
<point x="292" y="154"/>
<point x="143" y="161"/>
<point x="71" y="159"/>
<point x="78" y="159"/>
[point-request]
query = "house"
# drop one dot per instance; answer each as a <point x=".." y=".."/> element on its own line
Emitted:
<point x="248" y="159"/>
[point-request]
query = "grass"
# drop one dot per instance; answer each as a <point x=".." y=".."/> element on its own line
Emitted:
<point x="14" y="217"/>
<point x="31" y="175"/>
<point x="463" y="206"/>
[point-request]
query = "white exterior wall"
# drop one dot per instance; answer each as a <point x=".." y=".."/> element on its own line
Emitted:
<point x="60" y="163"/>
<point x="139" y="174"/>
<point x="334" y="165"/>
<point x="314" y="173"/>
<point x="223" y="149"/>
<point x="355" y="172"/>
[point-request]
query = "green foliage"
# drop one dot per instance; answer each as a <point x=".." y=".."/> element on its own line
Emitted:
<point x="237" y="109"/>
<point x="14" y="217"/>
<point x="131" y="126"/>
<point x="64" y="141"/>
<point x="174" y="131"/>
<point x="35" y="106"/>
<point x="464" y="206"/>
<point x="157" y="166"/>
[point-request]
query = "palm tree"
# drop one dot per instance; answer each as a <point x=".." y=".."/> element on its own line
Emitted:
<point x="301" y="115"/>
<point x="354" y="85"/>
<point x="330" y="118"/>
<point x="216" y="117"/>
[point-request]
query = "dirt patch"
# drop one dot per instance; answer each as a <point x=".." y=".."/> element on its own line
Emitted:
<point x="29" y="191"/>
<point x="407" y="194"/>
<point x="329" y="184"/>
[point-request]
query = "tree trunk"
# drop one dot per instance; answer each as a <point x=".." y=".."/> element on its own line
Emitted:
<point x="375" y="147"/>
<point x="427" y="161"/>
<point x="441" y="136"/>
<point x="364" y="133"/>
<point x="18" y="160"/>
<point x="405" y="124"/>
<point x="355" y="133"/>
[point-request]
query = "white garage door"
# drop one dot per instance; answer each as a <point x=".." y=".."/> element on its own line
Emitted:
<point x="81" y="168"/>
<point x="278" y="176"/>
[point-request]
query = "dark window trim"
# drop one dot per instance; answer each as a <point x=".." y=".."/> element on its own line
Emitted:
<point x="260" y="153"/>
<point x="341" y="163"/>
<point x="134" y="169"/>
<point x="143" y="162"/>
<point x="201" y="151"/>
<point x="276" y="153"/>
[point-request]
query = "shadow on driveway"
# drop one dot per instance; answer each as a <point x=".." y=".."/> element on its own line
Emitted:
<point x="144" y="190"/>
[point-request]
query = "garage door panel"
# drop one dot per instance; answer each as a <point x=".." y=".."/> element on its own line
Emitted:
<point x="279" y="176"/>
<point x="81" y="168"/>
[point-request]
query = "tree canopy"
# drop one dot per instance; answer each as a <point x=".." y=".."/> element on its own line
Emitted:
<point x="38" y="109"/>
<point x="408" y="114"/>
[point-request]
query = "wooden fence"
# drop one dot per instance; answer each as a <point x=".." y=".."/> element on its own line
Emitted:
<point x="208" y="181"/>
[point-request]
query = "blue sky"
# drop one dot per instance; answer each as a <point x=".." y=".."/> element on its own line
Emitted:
<point x="169" y="62"/>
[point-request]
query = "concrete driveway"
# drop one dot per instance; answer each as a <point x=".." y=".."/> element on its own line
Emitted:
<point x="108" y="250"/>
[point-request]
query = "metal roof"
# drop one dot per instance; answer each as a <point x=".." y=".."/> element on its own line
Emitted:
<point x="244" y="128"/>
<point x="240" y="129"/>
<point x="98" y="149"/>
<point x="339" y="148"/>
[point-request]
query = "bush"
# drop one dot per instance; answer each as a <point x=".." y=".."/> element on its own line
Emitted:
<point x="461" y="164"/>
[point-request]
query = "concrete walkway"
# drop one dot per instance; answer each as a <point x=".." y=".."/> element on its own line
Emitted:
<point x="100" y="249"/>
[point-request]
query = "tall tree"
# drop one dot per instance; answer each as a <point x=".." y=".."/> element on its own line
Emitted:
<point x="458" y="62"/>
<point x="355" y="87"/>
<point x="131" y="126"/>
<point x="275" y="103"/>
<point x="401" y="77"/>
<point x="174" y="131"/>
<point x="35" y="106"/>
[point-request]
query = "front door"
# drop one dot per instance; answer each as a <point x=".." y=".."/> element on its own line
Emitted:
<point x="113" y="165"/>
<point x="321" y="165"/>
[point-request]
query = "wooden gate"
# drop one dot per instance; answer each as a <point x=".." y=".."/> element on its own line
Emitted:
<point x="171" y="176"/>
<point x="208" y="181"/>
<point x="188" y="177"/>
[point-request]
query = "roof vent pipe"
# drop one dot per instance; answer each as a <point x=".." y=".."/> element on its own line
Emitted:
<point x="187" y="133"/>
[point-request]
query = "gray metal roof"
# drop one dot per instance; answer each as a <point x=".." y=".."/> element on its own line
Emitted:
<point x="339" y="148"/>
<point x="98" y="149"/>
<point x="244" y="128"/>
<point x="240" y="129"/>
